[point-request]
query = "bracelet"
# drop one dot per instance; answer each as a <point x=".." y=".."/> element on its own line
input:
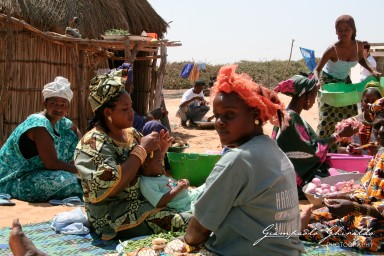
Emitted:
<point x="336" y="136"/>
<point x="356" y="206"/>
<point x="140" y="153"/>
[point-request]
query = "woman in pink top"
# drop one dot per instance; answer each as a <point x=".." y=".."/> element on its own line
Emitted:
<point x="335" y="66"/>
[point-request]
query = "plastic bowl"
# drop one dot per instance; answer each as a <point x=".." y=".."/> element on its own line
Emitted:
<point x="341" y="94"/>
<point x="178" y="149"/>
<point x="332" y="180"/>
<point x="192" y="166"/>
<point x="349" y="163"/>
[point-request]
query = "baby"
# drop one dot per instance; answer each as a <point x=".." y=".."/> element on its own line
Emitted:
<point x="162" y="191"/>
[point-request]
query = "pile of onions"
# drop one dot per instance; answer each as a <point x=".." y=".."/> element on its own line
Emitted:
<point x="316" y="187"/>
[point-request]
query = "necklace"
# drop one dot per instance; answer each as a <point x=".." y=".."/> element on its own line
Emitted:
<point x="365" y="120"/>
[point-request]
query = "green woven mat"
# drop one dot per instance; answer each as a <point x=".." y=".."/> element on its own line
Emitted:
<point x="48" y="241"/>
<point x="45" y="238"/>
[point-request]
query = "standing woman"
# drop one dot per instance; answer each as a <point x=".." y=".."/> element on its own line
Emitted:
<point x="36" y="161"/>
<point x="335" y="66"/>
<point x="108" y="158"/>
<point x="258" y="179"/>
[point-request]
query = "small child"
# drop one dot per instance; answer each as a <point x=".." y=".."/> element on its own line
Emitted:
<point x="161" y="190"/>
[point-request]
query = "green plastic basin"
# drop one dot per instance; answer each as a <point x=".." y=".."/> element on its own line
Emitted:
<point x="192" y="166"/>
<point x="341" y="94"/>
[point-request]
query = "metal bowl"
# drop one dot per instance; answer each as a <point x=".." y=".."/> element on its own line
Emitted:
<point x="204" y="124"/>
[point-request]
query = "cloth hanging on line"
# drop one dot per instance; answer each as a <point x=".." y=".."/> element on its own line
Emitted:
<point x="186" y="70"/>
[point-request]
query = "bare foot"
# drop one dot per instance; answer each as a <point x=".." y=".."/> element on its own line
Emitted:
<point x="20" y="244"/>
<point x="305" y="216"/>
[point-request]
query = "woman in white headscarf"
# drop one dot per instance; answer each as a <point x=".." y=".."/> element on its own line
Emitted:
<point x="36" y="161"/>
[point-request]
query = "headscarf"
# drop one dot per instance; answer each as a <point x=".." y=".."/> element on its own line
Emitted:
<point x="348" y="19"/>
<point x="297" y="85"/>
<point x="376" y="107"/>
<point x="58" y="88"/>
<point x="153" y="126"/>
<point x="254" y="95"/>
<point x="105" y="87"/>
<point x="374" y="85"/>
<point x="127" y="71"/>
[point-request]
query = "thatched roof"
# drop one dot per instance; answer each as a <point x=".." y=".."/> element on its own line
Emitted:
<point x="95" y="16"/>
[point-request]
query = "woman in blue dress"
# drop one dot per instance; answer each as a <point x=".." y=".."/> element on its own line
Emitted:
<point x="36" y="161"/>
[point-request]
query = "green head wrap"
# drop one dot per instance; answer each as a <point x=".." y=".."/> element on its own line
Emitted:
<point x="105" y="87"/>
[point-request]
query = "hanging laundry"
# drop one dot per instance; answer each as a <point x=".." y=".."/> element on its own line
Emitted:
<point x="194" y="75"/>
<point x="201" y="66"/>
<point x="185" y="72"/>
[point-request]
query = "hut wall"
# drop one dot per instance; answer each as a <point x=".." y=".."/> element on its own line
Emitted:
<point x="28" y="63"/>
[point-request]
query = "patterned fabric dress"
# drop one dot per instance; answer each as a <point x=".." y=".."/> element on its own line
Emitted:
<point x="128" y="214"/>
<point x="305" y="150"/>
<point x="27" y="179"/>
<point x="330" y="115"/>
<point x="356" y="230"/>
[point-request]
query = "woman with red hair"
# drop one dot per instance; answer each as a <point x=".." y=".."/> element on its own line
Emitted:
<point x="259" y="180"/>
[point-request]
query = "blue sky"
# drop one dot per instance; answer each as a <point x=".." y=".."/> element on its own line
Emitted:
<point x="221" y="32"/>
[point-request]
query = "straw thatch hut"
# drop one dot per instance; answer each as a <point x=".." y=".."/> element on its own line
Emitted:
<point x="35" y="50"/>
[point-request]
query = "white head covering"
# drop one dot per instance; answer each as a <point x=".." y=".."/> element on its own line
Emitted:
<point x="58" y="88"/>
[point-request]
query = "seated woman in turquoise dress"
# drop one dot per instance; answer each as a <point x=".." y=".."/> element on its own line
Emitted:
<point x="108" y="158"/>
<point x="36" y="160"/>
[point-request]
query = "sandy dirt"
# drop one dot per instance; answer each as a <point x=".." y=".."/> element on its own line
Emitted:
<point x="200" y="141"/>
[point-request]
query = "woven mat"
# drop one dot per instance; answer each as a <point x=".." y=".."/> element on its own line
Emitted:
<point x="45" y="238"/>
<point x="51" y="243"/>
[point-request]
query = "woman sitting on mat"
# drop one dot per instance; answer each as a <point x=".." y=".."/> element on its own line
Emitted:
<point x="356" y="220"/>
<point x="299" y="141"/>
<point x="256" y="174"/>
<point x="108" y="158"/>
<point x="36" y="161"/>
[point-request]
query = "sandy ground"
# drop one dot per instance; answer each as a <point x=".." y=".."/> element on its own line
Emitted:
<point x="200" y="141"/>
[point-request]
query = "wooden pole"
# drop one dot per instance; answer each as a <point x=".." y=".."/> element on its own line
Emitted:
<point x="289" y="60"/>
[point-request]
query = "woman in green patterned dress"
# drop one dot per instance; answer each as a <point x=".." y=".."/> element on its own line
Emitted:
<point x="108" y="158"/>
<point x="36" y="161"/>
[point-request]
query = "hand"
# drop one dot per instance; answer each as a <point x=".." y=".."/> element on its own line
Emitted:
<point x="348" y="131"/>
<point x="354" y="149"/>
<point x="165" y="141"/>
<point x="339" y="207"/>
<point x="184" y="183"/>
<point x="199" y="98"/>
<point x="319" y="85"/>
<point x="150" y="142"/>
<point x="377" y="74"/>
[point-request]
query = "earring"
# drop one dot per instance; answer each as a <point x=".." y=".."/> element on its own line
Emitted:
<point x="109" y="119"/>
<point x="257" y="122"/>
<point x="308" y="102"/>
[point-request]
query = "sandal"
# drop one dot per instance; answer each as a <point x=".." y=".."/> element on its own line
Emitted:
<point x="5" y="200"/>
<point x="70" y="201"/>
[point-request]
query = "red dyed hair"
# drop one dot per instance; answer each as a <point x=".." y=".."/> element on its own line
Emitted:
<point x="254" y="95"/>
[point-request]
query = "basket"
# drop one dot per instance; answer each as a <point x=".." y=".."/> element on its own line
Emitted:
<point x="341" y="94"/>
<point x="192" y="166"/>
<point x="349" y="163"/>
<point x="332" y="180"/>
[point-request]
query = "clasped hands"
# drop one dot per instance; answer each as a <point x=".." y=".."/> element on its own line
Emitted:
<point x="157" y="140"/>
